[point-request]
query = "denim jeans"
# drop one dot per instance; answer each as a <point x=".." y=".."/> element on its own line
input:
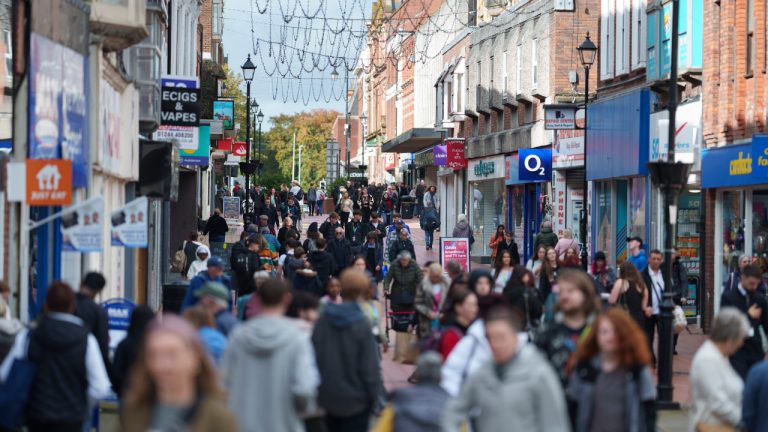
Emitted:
<point x="429" y="236"/>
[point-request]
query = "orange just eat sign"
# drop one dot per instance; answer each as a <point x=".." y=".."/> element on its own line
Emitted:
<point x="49" y="182"/>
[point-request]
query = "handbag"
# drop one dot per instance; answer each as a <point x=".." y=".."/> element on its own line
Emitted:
<point x="708" y="427"/>
<point x="14" y="392"/>
<point x="680" y="322"/>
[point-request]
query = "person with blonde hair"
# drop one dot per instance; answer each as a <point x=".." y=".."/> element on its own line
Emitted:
<point x="174" y="386"/>
<point x="566" y="242"/>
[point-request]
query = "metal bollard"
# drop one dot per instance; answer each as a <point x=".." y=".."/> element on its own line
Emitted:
<point x="664" y="387"/>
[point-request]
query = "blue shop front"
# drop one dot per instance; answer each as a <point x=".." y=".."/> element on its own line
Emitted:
<point x="528" y="181"/>
<point x="737" y="175"/>
<point x="617" y="154"/>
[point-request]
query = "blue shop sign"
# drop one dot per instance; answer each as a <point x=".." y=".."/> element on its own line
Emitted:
<point x="736" y="165"/>
<point x="119" y="313"/>
<point x="535" y="165"/>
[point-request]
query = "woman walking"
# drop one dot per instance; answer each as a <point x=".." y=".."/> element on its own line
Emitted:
<point x="174" y="386"/>
<point x="566" y="242"/>
<point x="497" y="238"/>
<point x="508" y="244"/>
<point x="430" y="217"/>
<point x="612" y="385"/>
<point x="403" y="278"/>
<point x="548" y="290"/>
<point x="535" y="262"/>
<point x="430" y="297"/>
<point x="502" y="271"/>
<point x="716" y="388"/>
<point x="462" y="312"/>
<point x="346" y="205"/>
<point x="630" y="293"/>
<point x="366" y="204"/>
<point x="311" y="198"/>
<point x="603" y="274"/>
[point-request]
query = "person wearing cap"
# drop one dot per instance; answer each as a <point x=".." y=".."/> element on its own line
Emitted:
<point x="214" y="297"/>
<point x="272" y="242"/>
<point x="201" y="263"/>
<point x="402" y="243"/>
<point x="400" y="284"/>
<point x="213" y="273"/>
<point x="637" y="254"/>
<point x="419" y="408"/>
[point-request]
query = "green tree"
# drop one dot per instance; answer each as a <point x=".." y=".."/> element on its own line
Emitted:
<point x="312" y="129"/>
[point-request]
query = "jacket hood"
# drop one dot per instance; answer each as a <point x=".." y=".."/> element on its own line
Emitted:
<point x="343" y="315"/>
<point x="546" y="229"/>
<point x="475" y="276"/>
<point x="421" y="406"/>
<point x="203" y="249"/>
<point x="265" y="334"/>
<point x="461" y="225"/>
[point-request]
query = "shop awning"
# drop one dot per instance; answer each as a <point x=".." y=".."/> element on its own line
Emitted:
<point x="412" y="141"/>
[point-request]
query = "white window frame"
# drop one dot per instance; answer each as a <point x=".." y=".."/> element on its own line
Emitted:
<point x="607" y="37"/>
<point x="504" y="74"/>
<point x="534" y="63"/>
<point x="639" y="35"/>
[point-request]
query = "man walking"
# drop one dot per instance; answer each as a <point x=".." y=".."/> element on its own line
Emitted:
<point x="355" y="231"/>
<point x="653" y="276"/>
<point x="517" y="388"/>
<point x="217" y="227"/>
<point x="753" y="306"/>
<point x="340" y="250"/>
<point x="347" y="359"/>
<point x="214" y="273"/>
<point x="94" y="316"/>
<point x="636" y="253"/>
<point x="268" y="367"/>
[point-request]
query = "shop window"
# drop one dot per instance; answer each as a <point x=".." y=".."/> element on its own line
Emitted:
<point x="603" y="220"/>
<point x="733" y="223"/>
<point x="637" y="201"/>
<point x="760" y="230"/>
<point x="489" y="207"/>
<point x="689" y="233"/>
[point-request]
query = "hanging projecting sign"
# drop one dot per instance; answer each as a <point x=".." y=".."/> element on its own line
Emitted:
<point x="82" y="226"/>
<point x="180" y="106"/>
<point x="561" y="116"/>
<point x="440" y="157"/>
<point x="129" y="224"/>
<point x="48" y="182"/>
<point x="455" y="150"/>
<point x="535" y="165"/>
<point x="239" y="149"/>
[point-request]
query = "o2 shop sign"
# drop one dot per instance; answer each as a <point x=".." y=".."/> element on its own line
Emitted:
<point x="535" y="165"/>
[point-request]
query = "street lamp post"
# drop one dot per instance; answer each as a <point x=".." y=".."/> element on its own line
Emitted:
<point x="259" y="162"/>
<point x="363" y="124"/>
<point x="587" y="53"/>
<point x="335" y="76"/>
<point x="249" y="69"/>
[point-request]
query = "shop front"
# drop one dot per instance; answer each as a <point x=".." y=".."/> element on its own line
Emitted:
<point x="424" y="166"/>
<point x="451" y="182"/>
<point x="529" y="202"/>
<point x="617" y="154"/>
<point x="568" y="182"/>
<point x="487" y="200"/>
<point x="736" y="176"/>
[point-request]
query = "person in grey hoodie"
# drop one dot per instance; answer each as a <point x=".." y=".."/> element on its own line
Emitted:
<point x="517" y="388"/>
<point x="462" y="228"/>
<point x="268" y="367"/>
<point x="347" y="358"/>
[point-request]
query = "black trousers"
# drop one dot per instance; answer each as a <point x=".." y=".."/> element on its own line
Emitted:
<point x="651" y="325"/>
<point x="355" y="423"/>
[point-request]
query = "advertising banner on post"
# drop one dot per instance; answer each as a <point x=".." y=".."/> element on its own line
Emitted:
<point x="119" y="312"/>
<point x="455" y="156"/>
<point x="231" y="208"/>
<point x="224" y="111"/>
<point x="454" y="249"/>
<point x="129" y="224"/>
<point x="201" y="154"/>
<point x="82" y="226"/>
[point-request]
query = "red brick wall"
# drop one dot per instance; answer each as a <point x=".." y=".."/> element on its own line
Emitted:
<point x="734" y="104"/>
<point x="568" y="31"/>
<point x="206" y="15"/>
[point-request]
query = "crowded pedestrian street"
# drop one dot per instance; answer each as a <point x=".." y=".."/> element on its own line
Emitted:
<point x="383" y="216"/>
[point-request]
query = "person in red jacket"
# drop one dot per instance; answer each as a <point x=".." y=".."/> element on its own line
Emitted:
<point x="460" y="315"/>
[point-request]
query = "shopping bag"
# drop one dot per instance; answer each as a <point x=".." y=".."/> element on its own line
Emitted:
<point x="14" y="392"/>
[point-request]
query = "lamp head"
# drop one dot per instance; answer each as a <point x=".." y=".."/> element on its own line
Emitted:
<point x="587" y="52"/>
<point x="249" y="69"/>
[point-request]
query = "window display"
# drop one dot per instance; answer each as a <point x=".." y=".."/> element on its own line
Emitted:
<point x="489" y="207"/>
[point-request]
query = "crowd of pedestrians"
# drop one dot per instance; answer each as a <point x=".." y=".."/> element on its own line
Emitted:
<point x="293" y="338"/>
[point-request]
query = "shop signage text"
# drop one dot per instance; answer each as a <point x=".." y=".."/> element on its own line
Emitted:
<point x="558" y="117"/>
<point x="440" y="157"/>
<point x="735" y="165"/>
<point x="49" y="182"/>
<point x="484" y="168"/>
<point x="180" y="106"/>
<point x="535" y="165"/>
<point x="455" y="149"/>
<point x="424" y="159"/>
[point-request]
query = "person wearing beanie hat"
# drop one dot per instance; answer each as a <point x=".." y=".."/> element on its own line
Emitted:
<point x="215" y="272"/>
<point x="214" y="298"/>
<point x="603" y="274"/>
<point x="419" y="408"/>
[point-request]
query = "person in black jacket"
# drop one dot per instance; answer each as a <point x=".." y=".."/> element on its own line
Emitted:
<point x="306" y="280"/>
<point x="508" y="244"/>
<point x="402" y="243"/>
<point x="128" y="349"/>
<point x="217" y="227"/>
<point x="347" y="359"/>
<point x="341" y="251"/>
<point x="654" y="277"/>
<point x="328" y="228"/>
<point x="355" y="231"/>
<point x="755" y="308"/>
<point x="70" y="368"/>
<point x="322" y="261"/>
<point x="94" y="316"/>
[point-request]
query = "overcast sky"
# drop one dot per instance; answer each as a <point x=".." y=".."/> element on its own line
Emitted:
<point x="238" y="43"/>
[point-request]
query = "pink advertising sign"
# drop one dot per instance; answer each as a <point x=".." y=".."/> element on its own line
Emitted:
<point x="454" y="249"/>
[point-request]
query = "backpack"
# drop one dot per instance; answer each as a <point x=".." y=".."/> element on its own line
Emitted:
<point x="239" y="258"/>
<point x="179" y="260"/>
<point x="300" y="195"/>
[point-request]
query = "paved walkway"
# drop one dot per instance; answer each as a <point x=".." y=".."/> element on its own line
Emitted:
<point x="396" y="374"/>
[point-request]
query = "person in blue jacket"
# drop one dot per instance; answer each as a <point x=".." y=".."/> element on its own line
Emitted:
<point x="754" y="413"/>
<point x="637" y="254"/>
<point x="215" y="273"/>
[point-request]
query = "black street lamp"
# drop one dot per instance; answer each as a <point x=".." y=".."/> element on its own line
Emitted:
<point x="363" y="124"/>
<point x="335" y="76"/>
<point x="587" y="53"/>
<point x="247" y="168"/>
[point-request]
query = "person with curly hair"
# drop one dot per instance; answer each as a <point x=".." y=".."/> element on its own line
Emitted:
<point x="612" y="387"/>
